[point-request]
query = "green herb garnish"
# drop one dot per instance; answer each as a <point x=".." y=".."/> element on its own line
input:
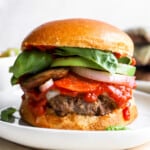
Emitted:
<point x="124" y="60"/>
<point x="7" y="114"/>
<point x="29" y="62"/>
<point x="116" y="128"/>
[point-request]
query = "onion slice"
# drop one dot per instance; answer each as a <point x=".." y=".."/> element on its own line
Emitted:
<point x="46" y="85"/>
<point x="105" y="76"/>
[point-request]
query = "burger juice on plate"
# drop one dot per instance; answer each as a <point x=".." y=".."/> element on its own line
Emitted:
<point x="76" y="74"/>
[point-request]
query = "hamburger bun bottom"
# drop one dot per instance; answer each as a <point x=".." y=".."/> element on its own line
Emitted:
<point x="74" y="121"/>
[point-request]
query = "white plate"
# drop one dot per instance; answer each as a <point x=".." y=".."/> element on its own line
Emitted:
<point x="143" y="85"/>
<point x="138" y="134"/>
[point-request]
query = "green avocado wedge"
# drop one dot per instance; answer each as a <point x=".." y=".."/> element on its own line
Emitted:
<point x="125" y="69"/>
<point x="81" y="62"/>
<point x="74" y="62"/>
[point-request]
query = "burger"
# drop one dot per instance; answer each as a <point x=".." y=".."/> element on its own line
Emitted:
<point x="76" y="74"/>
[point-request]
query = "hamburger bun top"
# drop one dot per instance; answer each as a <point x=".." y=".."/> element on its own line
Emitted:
<point x="83" y="33"/>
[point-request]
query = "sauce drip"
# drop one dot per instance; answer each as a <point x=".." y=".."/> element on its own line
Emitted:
<point x="120" y="94"/>
<point x="126" y="113"/>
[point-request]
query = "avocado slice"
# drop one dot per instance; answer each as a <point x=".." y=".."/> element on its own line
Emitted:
<point x="81" y="62"/>
<point x="74" y="62"/>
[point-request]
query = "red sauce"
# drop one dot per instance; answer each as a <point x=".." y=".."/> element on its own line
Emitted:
<point x="133" y="63"/>
<point x="118" y="55"/>
<point x="120" y="94"/>
<point x="76" y="85"/>
<point x="37" y="109"/>
<point x="126" y="113"/>
<point x="90" y="97"/>
<point x="37" y="102"/>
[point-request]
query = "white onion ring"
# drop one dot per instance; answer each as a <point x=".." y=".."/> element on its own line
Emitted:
<point x="105" y="76"/>
<point x="46" y="85"/>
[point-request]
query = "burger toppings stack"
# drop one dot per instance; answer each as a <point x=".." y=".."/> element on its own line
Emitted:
<point x="76" y="74"/>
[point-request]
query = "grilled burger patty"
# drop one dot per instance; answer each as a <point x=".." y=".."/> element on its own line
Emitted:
<point x="63" y="105"/>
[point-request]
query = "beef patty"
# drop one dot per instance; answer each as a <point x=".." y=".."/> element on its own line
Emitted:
<point x="63" y="105"/>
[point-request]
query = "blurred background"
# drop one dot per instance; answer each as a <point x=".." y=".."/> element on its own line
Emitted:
<point x="19" y="17"/>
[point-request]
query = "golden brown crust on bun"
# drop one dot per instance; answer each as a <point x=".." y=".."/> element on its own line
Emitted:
<point x="74" y="121"/>
<point x="83" y="33"/>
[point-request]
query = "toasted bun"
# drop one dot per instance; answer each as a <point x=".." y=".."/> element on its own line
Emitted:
<point x="83" y="33"/>
<point x="74" y="121"/>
